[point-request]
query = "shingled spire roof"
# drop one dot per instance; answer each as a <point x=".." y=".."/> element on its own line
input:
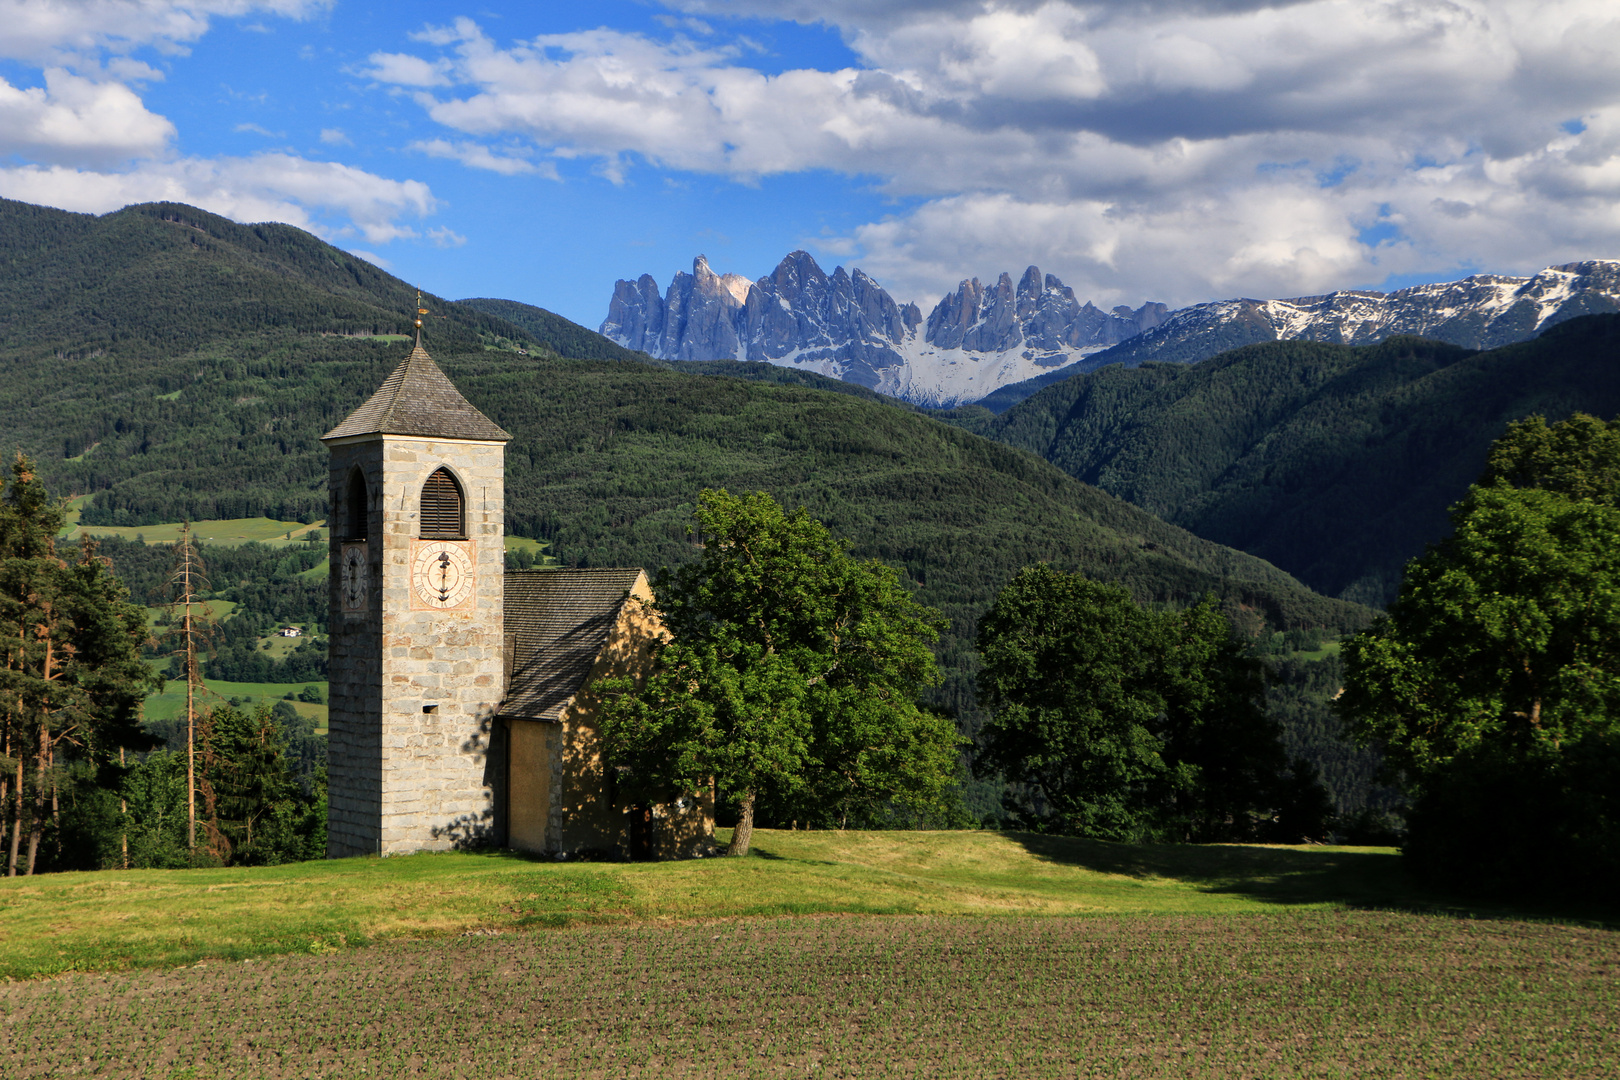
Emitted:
<point x="419" y="399"/>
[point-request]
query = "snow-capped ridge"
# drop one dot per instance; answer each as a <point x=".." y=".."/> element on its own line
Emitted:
<point x="1482" y="311"/>
<point x="982" y="337"/>
<point x="847" y="326"/>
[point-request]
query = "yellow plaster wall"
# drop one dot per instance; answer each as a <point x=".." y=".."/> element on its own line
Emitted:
<point x="585" y="817"/>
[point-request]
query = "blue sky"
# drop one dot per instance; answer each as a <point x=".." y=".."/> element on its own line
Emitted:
<point x="1181" y="150"/>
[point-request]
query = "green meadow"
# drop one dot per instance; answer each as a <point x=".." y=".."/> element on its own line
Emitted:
<point x="172" y="701"/>
<point x="831" y="954"/>
<point x="232" y="532"/>
<point x="122" y="919"/>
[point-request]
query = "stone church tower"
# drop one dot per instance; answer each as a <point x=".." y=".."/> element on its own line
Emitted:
<point x="417" y="637"/>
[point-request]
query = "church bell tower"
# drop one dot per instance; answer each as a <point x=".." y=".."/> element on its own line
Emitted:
<point x="417" y="647"/>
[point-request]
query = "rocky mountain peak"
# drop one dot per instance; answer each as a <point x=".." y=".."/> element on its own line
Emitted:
<point x="845" y="324"/>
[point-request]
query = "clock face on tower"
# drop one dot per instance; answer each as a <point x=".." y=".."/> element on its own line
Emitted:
<point x="441" y="573"/>
<point x="352" y="582"/>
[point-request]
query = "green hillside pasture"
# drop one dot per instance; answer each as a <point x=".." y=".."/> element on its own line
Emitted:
<point x="536" y="548"/>
<point x="1250" y="994"/>
<point x="172" y="701"/>
<point x="217" y="610"/>
<point x="117" y="919"/>
<point x="232" y="532"/>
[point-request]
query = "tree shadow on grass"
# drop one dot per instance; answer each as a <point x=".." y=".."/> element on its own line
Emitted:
<point x="1372" y="879"/>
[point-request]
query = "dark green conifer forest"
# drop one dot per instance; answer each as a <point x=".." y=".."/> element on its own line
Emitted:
<point x="1335" y="463"/>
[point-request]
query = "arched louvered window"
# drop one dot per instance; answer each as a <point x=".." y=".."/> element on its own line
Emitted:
<point x="442" y="517"/>
<point x="355" y="507"/>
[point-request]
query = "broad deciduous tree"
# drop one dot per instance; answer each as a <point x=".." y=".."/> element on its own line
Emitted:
<point x="1135" y="724"/>
<point x="1493" y="685"/>
<point x="1508" y="632"/>
<point x="793" y="671"/>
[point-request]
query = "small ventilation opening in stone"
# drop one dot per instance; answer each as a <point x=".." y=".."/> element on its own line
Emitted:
<point x="430" y="708"/>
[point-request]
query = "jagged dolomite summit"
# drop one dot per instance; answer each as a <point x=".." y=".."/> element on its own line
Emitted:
<point x="848" y="327"/>
<point x="981" y="338"/>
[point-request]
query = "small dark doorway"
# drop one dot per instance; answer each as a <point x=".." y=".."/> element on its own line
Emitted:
<point x="641" y="833"/>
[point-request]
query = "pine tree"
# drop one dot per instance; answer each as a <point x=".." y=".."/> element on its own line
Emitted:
<point x="73" y="680"/>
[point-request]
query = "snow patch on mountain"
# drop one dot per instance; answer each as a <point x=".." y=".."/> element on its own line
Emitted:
<point x="1483" y="311"/>
<point x="985" y="336"/>
<point x="846" y="326"/>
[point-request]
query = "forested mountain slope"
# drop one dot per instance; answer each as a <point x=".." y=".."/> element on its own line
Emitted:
<point x="562" y="336"/>
<point x="206" y="359"/>
<point x="164" y="338"/>
<point x="1336" y="463"/>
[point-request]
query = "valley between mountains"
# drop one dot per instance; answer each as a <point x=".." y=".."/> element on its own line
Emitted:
<point x="164" y="364"/>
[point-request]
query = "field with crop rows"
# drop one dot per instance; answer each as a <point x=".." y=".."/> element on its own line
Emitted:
<point x="1284" y="994"/>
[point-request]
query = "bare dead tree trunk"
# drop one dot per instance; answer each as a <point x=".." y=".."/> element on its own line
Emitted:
<point x="16" y="819"/>
<point x="37" y="820"/>
<point x="743" y="835"/>
<point x="123" y="817"/>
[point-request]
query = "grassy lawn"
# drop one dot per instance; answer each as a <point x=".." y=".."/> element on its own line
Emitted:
<point x="232" y="532"/>
<point x="828" y="954"/>
<point x="172" y="701"/>
<point x="115" y="919"/>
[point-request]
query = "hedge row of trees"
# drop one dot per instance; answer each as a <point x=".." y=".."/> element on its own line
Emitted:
<point x="794" y="675"/>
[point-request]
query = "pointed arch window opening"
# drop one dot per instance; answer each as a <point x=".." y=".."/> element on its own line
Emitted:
<point x="443" y="507"/>
<point x="357" y="507"/>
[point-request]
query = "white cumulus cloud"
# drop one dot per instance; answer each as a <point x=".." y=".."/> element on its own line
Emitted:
<point x="72" y="118"/>
<point x="1177" y="150"/>
<point x="329" y="199"/>
<point x="85" y="140"/>
<point x="46" y="31"/>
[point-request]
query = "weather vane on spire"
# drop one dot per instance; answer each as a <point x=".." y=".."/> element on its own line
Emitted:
<point x="421" y="313"/>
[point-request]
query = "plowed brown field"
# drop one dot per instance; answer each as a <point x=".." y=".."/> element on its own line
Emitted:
<point x="1285" y="994"/>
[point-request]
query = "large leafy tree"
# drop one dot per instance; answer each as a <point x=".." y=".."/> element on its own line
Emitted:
<point x="1493" y="685"/>
<point x="73" y="680"/>
<point x="792" y="673"/>
<point x="1506" y="634"/>
<point x="1134" y="724"/>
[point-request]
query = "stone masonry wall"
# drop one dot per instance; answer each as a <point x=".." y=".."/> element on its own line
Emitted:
<point x="435" y="791"/>
<point x="354" y="736"/>
<point x="402" y="779"/>
<point x="583" y="816"/>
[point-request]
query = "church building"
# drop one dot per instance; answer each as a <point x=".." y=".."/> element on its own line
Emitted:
<point x="461" y="705"/>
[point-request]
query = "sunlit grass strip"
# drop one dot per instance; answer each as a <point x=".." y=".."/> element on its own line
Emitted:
<point x="121" y="919"/>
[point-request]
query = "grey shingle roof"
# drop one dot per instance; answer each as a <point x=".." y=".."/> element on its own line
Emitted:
<point x="419" y="399"/>
<point x="561" y="620"/>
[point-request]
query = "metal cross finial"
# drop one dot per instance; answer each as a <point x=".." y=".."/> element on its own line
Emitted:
<point x="421" y="313"/>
